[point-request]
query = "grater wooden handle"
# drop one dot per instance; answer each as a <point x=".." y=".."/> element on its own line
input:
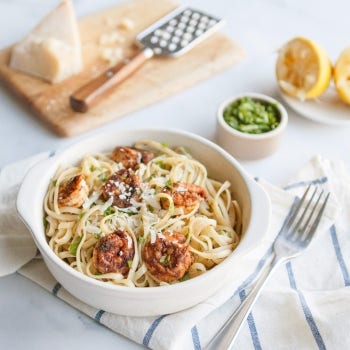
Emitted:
<point x="90" y="94"/>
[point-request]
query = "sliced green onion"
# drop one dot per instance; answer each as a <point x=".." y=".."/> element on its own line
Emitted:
<point x="169" y="184"/>
<point x="45" y="222"/>
<point x="74" y="247"/>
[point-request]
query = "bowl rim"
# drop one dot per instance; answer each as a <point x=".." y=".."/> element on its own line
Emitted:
<point x="255" y="95"/>
<point x="48" y="253"/>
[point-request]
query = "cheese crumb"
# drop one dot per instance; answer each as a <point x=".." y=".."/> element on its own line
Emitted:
<point x="126" y="24"/>
<point x="112" y="55"/>
<point x="112" y="38"/>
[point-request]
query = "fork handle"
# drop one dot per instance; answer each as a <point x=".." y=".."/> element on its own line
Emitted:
<point x="91" y="93"/>
<point x="227" y="334"/>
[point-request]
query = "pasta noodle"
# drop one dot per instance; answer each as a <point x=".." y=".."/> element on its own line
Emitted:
<point x="173" y="205"/>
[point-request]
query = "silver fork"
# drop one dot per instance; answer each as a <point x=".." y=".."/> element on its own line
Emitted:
<point x="294" y="236"/>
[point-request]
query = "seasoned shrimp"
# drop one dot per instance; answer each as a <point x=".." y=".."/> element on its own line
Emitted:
<point x="74" y="192"/>
<point x="123" y="186"/>
<point x="169" y="257"/>
<point x="184" y="195"/>
<point x="113" y="253"/>
<point x="131" y="157"/>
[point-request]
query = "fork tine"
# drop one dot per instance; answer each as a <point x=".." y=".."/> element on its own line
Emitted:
<point x="299" y="222"/>
<point x="296" y="210"/>
<point x="318" y="218"/>
<point x="302" y="230"/>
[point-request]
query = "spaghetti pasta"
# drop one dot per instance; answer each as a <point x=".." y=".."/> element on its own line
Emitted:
<point x="148" y="221"/>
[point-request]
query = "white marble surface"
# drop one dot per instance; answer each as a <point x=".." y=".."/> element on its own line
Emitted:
<point x="32" y="318"/>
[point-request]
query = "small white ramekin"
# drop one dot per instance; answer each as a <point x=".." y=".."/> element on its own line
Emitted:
<point x="249" y="146"/>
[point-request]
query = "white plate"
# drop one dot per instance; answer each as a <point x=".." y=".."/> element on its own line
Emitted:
<point x="326" y="109"/>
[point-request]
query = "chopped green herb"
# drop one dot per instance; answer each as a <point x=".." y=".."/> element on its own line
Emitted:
<point x="141" y="239"/>
<point x="165" y="260"/>
<point x="161" y="164"/>
<point x="98" y="235"/>
<point x="171" y="209"/>
<point x="81" y="214"/>
<point x="127" y="212"/>
<point x="129" y="263"/>
<point x="74" y="247"/>
<point x="54" y="182"/>
<point x="150" y="178"/>
<point x="45" y="222"/>
<point x="165" y="144"/>
<point x="110" y="210"/>
<point x="185" y="277"/>
<point x="102" y="177"/>
<point x="150" y="208"/>
<point x="92" y="168"/>
<point x="169" y="184"/>
<point x="252" y="116"/>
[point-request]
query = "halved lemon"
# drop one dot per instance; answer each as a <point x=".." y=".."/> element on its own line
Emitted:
<point x="303" y="69"/>
<point x="342" y="75"/>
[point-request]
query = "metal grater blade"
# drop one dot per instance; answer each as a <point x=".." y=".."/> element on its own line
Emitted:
<point x="177" y="32"/>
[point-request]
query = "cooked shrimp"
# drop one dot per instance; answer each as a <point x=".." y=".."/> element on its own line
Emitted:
<point x="169" y="257"/>
<point x="74" y="192"/>
<point x="113" y="253"/>
<point x="131" y="157"/>
<point x="123" y="186"/>
<point x="184" y="195"/>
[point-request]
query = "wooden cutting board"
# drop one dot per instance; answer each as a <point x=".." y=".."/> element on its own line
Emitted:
<point x="157" y="79"/>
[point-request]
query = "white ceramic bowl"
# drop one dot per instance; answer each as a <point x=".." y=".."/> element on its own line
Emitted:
<point x="156" y="300"/>
<point x="249" y="146"/>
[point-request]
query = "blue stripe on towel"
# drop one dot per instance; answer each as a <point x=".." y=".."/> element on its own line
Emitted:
<point x="318" y="181"/>
<point x="99" y="315"/>
<point x="339" y="255"/>
<point x="251" y="324"/>
<point x="150" y="331"/>
<point x="253" y="332"/>
<point x="195" y="339"/>
<point x="56" y="288"/>
<point x="307" y="312"/>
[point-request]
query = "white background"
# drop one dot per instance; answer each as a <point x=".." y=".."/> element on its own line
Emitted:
<point x="31" y="318"/>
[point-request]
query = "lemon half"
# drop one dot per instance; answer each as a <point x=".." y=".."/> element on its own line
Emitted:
<point x="342" y="75"/>
<point x="303" y="69"/>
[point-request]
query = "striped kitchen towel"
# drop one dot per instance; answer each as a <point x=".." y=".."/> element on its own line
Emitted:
<point x="305" y="305"/>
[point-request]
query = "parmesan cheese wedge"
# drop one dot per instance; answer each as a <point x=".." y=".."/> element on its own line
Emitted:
<point x="52" y="51"/>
